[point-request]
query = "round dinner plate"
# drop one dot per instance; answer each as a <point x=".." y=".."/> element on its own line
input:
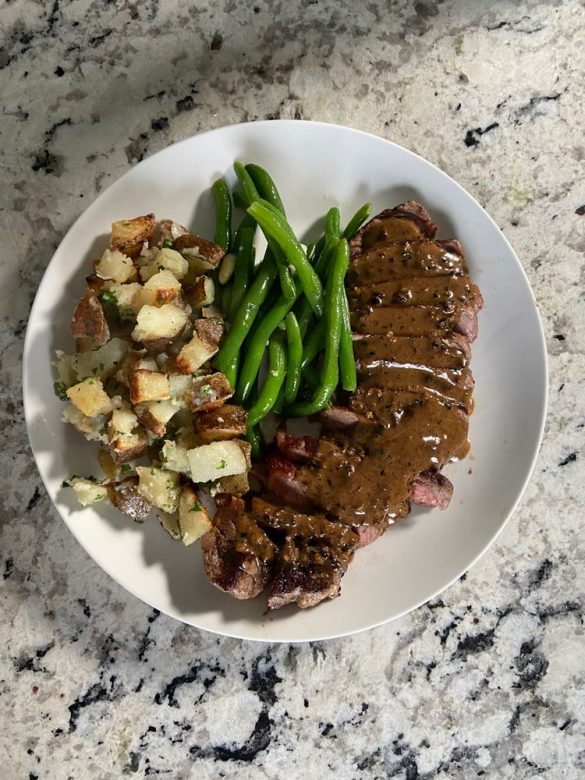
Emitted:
<point x="315" y="166"/>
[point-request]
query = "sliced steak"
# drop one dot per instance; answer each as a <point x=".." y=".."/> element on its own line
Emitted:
<point x="403" y="260"/>
<point x="405" y="222"/>
<point x="432" y="489"/>
<point x="237" y="555"/>
<point x="314" y="553"/>
<point x="414" y="315"/>
<point x="414" y="321"/>
<point x="455" y="291"/>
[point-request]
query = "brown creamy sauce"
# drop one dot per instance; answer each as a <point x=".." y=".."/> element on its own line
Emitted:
<point x="407" y="294"/>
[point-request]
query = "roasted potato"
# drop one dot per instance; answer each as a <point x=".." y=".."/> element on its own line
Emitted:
<point x="128" y="500"/>
<point x="90" y="397"/>
<point x="116" y="267"/>
<point x="208" y="392"/>
<point x="89" y="326"/>
<point x="193" y="516"/>
<point x="225" y="422"/>
<point x="129" y="235"/>
<point x="162" y="287"/>
<point x="155" y="415"/>
<point x="156" y="327"/>
<point x="160" y="487"/>
<point x="214" y="461"/>
<point x="201" y="292"/>
<point x="203" y="255"/>
<point x="203" y="345"/>
<point x="147" y="385"/>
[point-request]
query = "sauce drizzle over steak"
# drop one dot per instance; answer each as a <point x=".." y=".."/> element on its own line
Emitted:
<point x="414" y="316"/>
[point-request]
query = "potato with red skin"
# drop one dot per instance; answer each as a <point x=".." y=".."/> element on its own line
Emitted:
<point x="89" y="326"/>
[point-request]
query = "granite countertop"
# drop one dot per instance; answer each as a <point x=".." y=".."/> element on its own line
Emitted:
<point x="488" y="679"/>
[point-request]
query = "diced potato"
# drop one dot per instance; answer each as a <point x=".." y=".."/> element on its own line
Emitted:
<point x="176" y="457"/>
<point x="93" y="428"/>
<point x="89" y="326"/>
<point x="202" y="254"/>
<point x="160" y="487"/>
<point x="147" y="385"/>
<point x="86" y="491"/>
<point x="202" y="347"/>
<point x="171" y="524"/>
<point x="156" y="327"/>
<point x="225" y="422"/>
<point x="208" y="392"/>
<point x="193" y="517"/>
<point x="246" y="448"/>
<point x="111" y="469"/>
<point x="155" y="415"/>
<point x="127" y="439"/>
<point x="98" y="363"/>
<point x="235" y="485"/>
<point x="201" y="292"/>
<point x="90" y="397"/>
<point x="115" y="266"/>
<point x="162" y="287"/>
<point x="165" y="259"/>
<point x="126" y="498"/>
<point x="128" y="298"/>
<point x="167" y="230"/>
<point x="129" y="235"/>
<point x="179" y="385"/>
<point x="122" y="421"/>
<point x="213" y="461"/>
<point x="195" y="354"/>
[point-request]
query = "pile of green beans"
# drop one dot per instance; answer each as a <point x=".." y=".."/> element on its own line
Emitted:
<point x="291" y="305"/>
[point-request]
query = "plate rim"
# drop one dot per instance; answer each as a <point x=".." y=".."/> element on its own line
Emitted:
<point x="541" y="344"/>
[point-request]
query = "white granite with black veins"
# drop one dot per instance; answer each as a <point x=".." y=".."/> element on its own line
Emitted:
<point x="486" y="681"/>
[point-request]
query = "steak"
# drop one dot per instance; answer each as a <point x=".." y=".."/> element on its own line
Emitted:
<point x="381" y="448"/>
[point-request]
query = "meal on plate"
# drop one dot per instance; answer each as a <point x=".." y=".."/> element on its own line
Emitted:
<point x="188" y="352"/>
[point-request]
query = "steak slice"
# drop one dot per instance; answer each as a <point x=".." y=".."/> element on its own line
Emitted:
<point x="237" y="554"/>
<point x="458" y="291"/>
<point x="407" y="221"/>
<point x="404" y="260"/>
<point x="449" y="351"/>
<point x="432" y="489"/>
<point x="314" y="554"/>
<point x="414" y="321"/>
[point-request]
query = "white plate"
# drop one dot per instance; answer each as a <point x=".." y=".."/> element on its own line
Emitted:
<point x="315" y="166"/>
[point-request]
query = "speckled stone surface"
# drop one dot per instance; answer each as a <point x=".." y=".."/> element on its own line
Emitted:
<point x="489" y="679"/>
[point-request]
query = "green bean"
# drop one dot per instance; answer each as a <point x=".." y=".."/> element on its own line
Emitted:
<point x="279" y="403"/>
<point x="249" y="191"/>
<point x="274" y="380"/>
<point x="254" y="436"/>
<point x="333" y="319"/>
<point x="276" y="227"/>
<point x="304" y="312"/>
<point x="223" y="222"/>
<point x="244" y="247"/>
<point x="294" y="344"/>
<point x="257" y="345"/>
<point x="239" y="200"/>
<point x="347" y="369"/>
<point x="314" y="344"/>
<point x="356" y="221"/>
<point x="286" y="281"/>
<point x="227" y="357"/>
<point x="333" y="223"/>
<point x="311" y="376"/>
<point x="265" y="186"/>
